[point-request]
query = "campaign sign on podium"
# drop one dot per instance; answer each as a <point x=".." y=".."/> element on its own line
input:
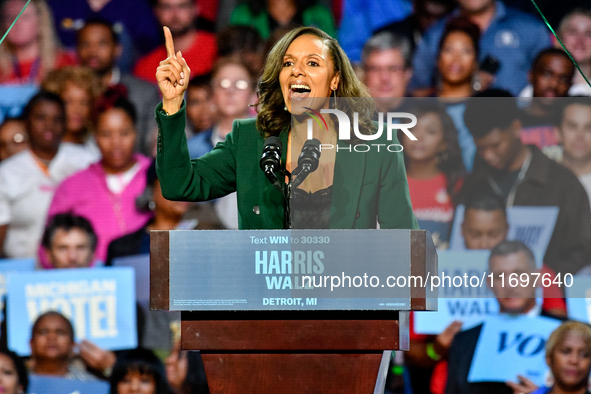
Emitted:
<point x="291" y="270"/>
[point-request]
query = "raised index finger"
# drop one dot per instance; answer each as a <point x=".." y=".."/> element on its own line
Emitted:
<point x="169" y="42"/>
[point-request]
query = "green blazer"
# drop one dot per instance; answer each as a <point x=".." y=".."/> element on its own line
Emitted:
<point x="367" y="188"/>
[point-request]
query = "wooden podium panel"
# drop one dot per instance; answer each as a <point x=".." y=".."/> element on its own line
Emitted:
<point x="292" y="373"/>
<point x="292" y="335"/>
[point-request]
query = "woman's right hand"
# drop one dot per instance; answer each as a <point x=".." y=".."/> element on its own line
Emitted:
<point x="173" y="76"/>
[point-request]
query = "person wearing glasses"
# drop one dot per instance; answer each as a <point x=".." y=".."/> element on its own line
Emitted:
<point x="232" y="93"/>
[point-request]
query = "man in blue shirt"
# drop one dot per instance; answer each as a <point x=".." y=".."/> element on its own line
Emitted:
<point x="514" y="38"/>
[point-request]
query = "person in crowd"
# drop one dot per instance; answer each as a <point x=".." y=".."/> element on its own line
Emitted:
<point x="458" y="77"/>
<point x="508" y="257"/>
<point x="268" y="15"/>
<point x="98" y="47"/>
<point x="69" y="242"/>
<point x="185" y="371"/>
<point x="78" y="88"/>
<point x="304" y="63"/>
<point x="434" y="169"/>
<point x="138" y="371"/>
<point x="168" y="215"/>
<point x="574" y="134"/>
<point x="522" y="175"/>
<point x="575" y="32"/>
<point x="386" y="62"/>
<point x="29" y="178"/>
<point x="52" y="345"/>
<point x="201" y="112"/>
<point x="485" y="222"/>
<point x="133" y="19"/>
<point x="31" y="49"/>
<point x="551" y="77"/>
<point x="245" y="42"/>
<point x="457" y="60"/>
<point x="13" y="137"/>
<point x="14" y="378"/>
<point x="232" y="92"/>
<point x="362" y="17"/>
<point x="105" y="193"/>
<point x="198" y="46"/>
<point x="485" y="225"/>
<point x="568" y="354"/>
<point x="509" y="35"/>
<point x="425" y="14"/>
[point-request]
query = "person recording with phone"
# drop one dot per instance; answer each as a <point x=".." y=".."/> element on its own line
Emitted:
<point x="306" y="72"/>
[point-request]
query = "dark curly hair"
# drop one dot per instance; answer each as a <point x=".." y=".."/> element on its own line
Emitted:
<point x="142" y="361"/>
<point x="272" y="118"/>
<point x="463" y="25"/>
<point x="115" y="97"/>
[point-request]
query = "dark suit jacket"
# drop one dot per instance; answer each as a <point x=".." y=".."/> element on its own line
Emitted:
<point x="459" y="361"/>
<point x="131" y="244"/>
<point x="368" y="187"/>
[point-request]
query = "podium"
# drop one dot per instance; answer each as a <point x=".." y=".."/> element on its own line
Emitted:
<point x="254" y="344"/>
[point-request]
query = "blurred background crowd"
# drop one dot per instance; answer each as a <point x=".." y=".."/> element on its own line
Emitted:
<point x="78" y="186"/>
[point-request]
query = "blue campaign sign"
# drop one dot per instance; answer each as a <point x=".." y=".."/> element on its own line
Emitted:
<point x="578" y="299"/>
<point x="50" y="385"/>
<point x="512" y="345"/>
<point x="99" y="302"/>
<point x="141" y="265"/>
<point x="470" y="305"/>
<point x="470" y="311"/>
<point x="531" y="225"/>
<point x="8" y="266"/>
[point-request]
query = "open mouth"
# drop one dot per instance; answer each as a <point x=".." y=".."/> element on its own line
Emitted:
<point x="300" y="90"/>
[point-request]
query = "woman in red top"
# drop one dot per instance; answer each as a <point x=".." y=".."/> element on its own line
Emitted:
<point x="434" y="169"/>
<point x="31" y="48"/>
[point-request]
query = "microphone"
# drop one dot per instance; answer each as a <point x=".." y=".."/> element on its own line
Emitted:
<point x="271" y="159"/>
<point x="307" y="162"/>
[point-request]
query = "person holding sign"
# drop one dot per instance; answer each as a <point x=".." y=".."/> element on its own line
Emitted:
<point x="350" y="189"/>
<point x="507" y="258"/>
<point x="568" y="354"/>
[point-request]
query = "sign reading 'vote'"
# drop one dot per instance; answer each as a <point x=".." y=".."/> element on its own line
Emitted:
<point x="509" y="346"/>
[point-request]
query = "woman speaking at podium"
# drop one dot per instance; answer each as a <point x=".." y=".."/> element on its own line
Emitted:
<point x="350" y="189"/>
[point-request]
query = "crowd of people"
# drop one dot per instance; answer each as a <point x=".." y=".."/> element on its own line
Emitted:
<point x="503" y="120"/>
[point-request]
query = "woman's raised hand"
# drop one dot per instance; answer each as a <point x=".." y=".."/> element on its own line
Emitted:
<point x="172" y="75"/>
